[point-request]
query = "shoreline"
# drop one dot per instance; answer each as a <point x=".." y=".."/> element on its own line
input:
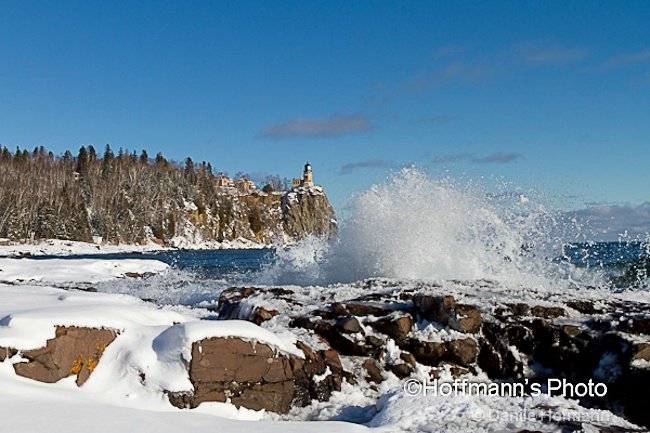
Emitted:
<point x="63" y="248"/>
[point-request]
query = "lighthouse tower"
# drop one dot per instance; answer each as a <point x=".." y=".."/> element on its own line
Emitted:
<point x="307" y="179"/>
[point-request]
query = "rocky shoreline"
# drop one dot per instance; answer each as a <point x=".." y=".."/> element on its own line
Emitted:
<point x="382" y="331"/>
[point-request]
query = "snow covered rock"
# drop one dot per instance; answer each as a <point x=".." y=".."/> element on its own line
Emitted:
<point x="257" y="376"/>
<point x="73" y="351"/>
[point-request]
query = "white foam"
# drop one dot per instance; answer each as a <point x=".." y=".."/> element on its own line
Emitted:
<point x="417" y="227"/>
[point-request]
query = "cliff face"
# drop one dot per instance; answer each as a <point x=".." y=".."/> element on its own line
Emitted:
<point x="124" y="199"/>
<point x="267" y="218"/>
<point x="306" y="211"/>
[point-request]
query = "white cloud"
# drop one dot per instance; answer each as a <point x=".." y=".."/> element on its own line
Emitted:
<point x="609" y="221"/>
<point x="333" y="126"/>
<point x="370" y="163"/>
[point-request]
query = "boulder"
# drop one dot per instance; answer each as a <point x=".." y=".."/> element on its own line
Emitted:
<point x="256" y="376"/>
<point x="343" y="343"/>
<point x="547" y="312"/>
<point x="439" y="309"/>
<point x="397" y="327"/>
<point x="261" y="315"/>
<point x="468" y="319"/>
<point x="641" y="351"/>
<point x="427" y="352"/>
<point x="349" y="325"/>
<point x="462" y="352"/>
<point x="374" y="373"/>
<point x="250" y="374"/>
<point x="73" y="351"/>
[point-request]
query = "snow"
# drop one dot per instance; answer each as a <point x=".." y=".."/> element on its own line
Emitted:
<point x="80" y="271"/>
<point x="150" y="353"/>
<point x="149" y="342"/>
<point x="55" y="247"/>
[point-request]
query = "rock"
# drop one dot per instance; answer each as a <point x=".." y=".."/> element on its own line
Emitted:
<point x="468" y="319"/>
<point x="375" y="341"/>
<point x="397" y="328"/>
<point x="73" y="351"/>
<point x="235" y="294"/>
<point x="408" y="358"/>
<point x="314" y="366"/>
<point x="349" y="325"/>
<point x="454" y="369"/>
<point x="366" y="309"/>
<point x="374" y="373"/>
<point x="519" y="309"/>
<point x="439" y="309"/>
<point x="463" y="352"/>
<point x="401" y="370"/>
<point x="584" y="307"/>
<point x="344" y="344"/>
<point x="305" y="322"/>
<point x="6" y="353"/>
<point x="640" y="325"/>
<point x="547" y="313"/>
<point x="641" y="351"/>
<point x="261" y="315"/>
<point x="427" y="352"/>
<point x="307" y="212"/>
<point x="250" y="374"/>
<point x="520" y="336"/>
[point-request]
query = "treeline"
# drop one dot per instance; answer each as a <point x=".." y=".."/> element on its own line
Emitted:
<point x="122" y="198"/>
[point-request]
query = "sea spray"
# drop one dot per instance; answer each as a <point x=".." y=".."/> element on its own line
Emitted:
<point x="414" y="226"/>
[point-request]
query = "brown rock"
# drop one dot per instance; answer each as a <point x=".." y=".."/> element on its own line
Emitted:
<point x="6" y="353"/>
<point x="547" y="312"/>
<point x="349" y="325"/>
<point x="454" y="369"/>
<point x="73" y="351"/>
<point x="585" y="307"/>
<point x="250" y="374"/>
<point x="468" y="319"/>
<point x="641" y="351"/>
<point x="408" y="358"/>
<point x="262" y="315"/>
<point x="401" y="370"/>
<point x="571" y="331"/>
<point x="396" y="327"/>
<point x="427" y="352"/>
<point x="438" y="309"/>
<point x="366" y="309"/>
<point x="519" y="309"/>
<point x="641" y="325"/>
<point x="343" y="343"/>
<point x="374" y="374"/>
<point x="463" y="352"/>
<point x="375" y="341"/>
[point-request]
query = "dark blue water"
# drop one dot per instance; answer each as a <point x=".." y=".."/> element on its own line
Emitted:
<point x="625" y="264"/>
<point x="204" y="264"/>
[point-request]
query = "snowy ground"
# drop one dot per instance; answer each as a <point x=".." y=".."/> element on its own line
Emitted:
<point x="55" y="247"/>
<point x="115" y="399"/>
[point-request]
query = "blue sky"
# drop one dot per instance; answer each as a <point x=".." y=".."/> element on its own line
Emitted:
<point x="550" y="95"/>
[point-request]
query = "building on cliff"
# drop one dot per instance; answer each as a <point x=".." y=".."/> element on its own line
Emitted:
<point x="306" y="181"/>
<point x="223" y="181"/>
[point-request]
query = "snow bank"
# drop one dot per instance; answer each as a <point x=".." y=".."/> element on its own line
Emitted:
<point x="58" y="271"/>
<point x="125" y="391"/>
<point x="56" y="247"/>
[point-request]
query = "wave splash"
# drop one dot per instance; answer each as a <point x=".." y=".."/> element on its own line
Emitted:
<point x="417" y="227"/>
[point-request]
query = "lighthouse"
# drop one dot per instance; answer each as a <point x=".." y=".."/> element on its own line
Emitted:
<point x="307" y="179"/>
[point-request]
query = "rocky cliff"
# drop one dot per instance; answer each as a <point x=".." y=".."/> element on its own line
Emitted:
<point x="265" y="218"/>
<point x="124" y="199"/>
